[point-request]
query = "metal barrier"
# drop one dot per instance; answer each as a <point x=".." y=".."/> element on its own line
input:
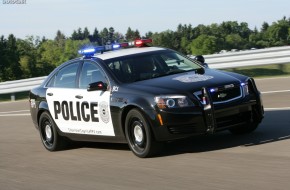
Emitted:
<point x="12" y="87"/>
<point x="268" y="56"/>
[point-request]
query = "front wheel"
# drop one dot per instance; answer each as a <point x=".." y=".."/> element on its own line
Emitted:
<point x="139" y="135"/>
<point x="51" y="140"/>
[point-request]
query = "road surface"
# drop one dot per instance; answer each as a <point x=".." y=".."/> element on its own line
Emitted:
<point x="260" y="160"/>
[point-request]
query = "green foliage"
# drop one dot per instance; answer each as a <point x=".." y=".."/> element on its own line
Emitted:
<point x="33" y="56"/>
<point x="164" y="39"/>
<point x="9" y="59"/>
<point x="54" y="53"/>
<point x="203" y="44"/>
<point x="132" y="35"/>
<point x="278" y="32"/>
<point x="234" y="41"/>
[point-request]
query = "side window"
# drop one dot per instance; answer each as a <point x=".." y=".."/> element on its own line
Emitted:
<point x="91" y="73"/>
<point x="122" y="69"/>
<point x="66" y="77"/>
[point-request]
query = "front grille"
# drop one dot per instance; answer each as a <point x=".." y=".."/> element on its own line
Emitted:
<point x="184" y="129"/>
<point x="233" y="120"/>
<point x="223" y="94"/>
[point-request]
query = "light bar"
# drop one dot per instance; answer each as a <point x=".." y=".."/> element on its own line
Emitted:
<point x="116" y="46"/>
<point x="142" y="42"/>
<point x="90" y="51"/>
<point x="125" y="44"/>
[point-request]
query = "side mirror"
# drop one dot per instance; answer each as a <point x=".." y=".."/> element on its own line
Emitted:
<point x="200" y="71"/>
<point x="97" y="86"/>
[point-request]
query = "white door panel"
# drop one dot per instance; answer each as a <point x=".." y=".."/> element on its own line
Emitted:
<point x="79" y="111"/>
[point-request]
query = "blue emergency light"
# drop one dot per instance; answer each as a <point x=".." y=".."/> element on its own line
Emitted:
<point x="116" y="46"/>
<point x="90" y="51"/>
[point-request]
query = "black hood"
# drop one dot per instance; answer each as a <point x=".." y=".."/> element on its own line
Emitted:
<point x="186" y="82"/>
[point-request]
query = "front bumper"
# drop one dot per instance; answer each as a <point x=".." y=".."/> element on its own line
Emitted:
<point x="189" y="122"/>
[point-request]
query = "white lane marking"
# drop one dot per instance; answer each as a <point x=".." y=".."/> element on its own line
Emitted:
<point x="277" y="91"/>
<point x="12" y="115"/>
<point x="14" y="111"/>
<point x="272" y="78"/>
<point x="8" y="102"/>
<point x="273" y="109"/>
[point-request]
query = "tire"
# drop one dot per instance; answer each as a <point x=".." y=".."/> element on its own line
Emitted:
<point x="244" y="129"/>
<point x="51" y="140"/>
<point x="139" y="136"/>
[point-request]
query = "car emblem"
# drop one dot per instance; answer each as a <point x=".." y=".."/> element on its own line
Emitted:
<point x="229" y="86"/>
<point x="222" y="95"/>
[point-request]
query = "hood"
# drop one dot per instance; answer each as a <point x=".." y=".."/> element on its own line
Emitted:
<point x="186" y="82"/>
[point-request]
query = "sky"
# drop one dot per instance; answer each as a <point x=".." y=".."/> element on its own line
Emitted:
<point x="45" y="17"/>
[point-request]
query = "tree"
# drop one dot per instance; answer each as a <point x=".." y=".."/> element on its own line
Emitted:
<point x="184" y="46"/>
<point x="86" y="34"/>
<point x="78" y="35"/>
<point x="104" y="36"/>
<point x="28" y="56"/>
<point x="203" y="45"/>
<point x="74" y="35"/>
<point x="234" y="41"/>
<point x="278" y="32"/>
<point x="3" y="57"/>
<point x="265" y="26"/>
<point x="59" y="36"/>
<point x="11" y="66"/>
<point x="244" y="30"/>
<point x="148" y="34"/>
<point x="111" y="35"/>
<point x="95" y="38"/>
<point x="132" y="35"/>
<point x="200" y="30"/>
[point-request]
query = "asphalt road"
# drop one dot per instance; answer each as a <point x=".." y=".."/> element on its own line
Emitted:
<point x="260" y="160"/>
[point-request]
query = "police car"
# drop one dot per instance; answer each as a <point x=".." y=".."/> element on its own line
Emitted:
<point x="144" y="96"/>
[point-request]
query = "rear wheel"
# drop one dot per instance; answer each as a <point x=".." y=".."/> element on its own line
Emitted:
<point x="139" y="135"/>
<point x="51" y="140"/>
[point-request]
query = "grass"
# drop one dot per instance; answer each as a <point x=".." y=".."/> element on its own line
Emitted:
<point x="18" y="96"/>
<point x="263" y="71"/>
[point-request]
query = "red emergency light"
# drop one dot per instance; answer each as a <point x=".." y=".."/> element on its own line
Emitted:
<point x="142" y="42"/>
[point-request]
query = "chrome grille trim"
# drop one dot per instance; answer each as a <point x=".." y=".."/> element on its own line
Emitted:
<point x="198" y="95"/>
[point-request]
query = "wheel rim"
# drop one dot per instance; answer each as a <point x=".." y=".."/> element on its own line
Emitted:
<point x="48" y="132"/>
<point x="138" y="134"/>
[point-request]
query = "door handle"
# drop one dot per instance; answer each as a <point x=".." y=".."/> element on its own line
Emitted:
<point x="50" y="94"/>
<point x="79" y="96"/>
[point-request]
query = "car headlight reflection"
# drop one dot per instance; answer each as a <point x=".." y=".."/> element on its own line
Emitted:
<point x="245" y="87"/>
<point x="164" y="102"/>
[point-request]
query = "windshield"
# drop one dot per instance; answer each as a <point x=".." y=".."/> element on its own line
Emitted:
<point x="150" y="65"/>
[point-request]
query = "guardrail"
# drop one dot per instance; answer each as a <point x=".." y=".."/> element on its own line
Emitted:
<point x="11" y="87"/>
<point x="268" y="56"/>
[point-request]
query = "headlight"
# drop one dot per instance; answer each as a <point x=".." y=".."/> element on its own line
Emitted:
<point x="177" y="101"/>
<point x="245" y="88"/>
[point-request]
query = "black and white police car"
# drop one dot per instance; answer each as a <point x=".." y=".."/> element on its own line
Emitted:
<point x="144" y="96"/>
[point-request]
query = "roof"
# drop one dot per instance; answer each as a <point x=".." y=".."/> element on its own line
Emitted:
<point x="127" y="51"/>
